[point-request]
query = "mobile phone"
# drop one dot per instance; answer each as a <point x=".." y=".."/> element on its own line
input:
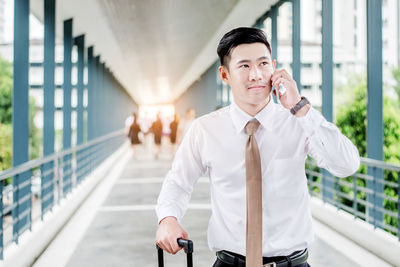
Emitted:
<point x="282" y="90"/>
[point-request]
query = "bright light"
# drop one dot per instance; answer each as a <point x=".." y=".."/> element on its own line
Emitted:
<point x="148" y="114"/>
<point x="164" y="92"/>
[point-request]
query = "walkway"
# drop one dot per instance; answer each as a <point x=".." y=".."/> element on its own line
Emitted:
<point x="120" y="230"/>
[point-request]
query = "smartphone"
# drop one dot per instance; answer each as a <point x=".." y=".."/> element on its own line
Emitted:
<point x="282" y="90"/>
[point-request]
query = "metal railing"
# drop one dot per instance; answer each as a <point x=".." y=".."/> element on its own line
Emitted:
<point x="32" y="189"/>
<point x="372" y="195"/>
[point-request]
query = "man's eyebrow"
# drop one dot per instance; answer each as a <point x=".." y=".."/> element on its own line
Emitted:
<point x="263" y="58"/>
<point x="243" y="61"/>
<point x="248" y="60"/>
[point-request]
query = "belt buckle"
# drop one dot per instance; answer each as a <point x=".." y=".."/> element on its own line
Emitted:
<point x="271" y="264"/>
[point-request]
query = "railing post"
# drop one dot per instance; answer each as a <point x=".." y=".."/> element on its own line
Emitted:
<point x="374" y="219"/>
<point x="398" y="205"/>
<point x="1" y="220"/>
<point x="355" y="195"/>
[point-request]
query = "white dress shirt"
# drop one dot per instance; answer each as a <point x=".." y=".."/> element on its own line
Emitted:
<point x="216" y="142"/>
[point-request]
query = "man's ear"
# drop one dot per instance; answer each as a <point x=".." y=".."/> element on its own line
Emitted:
<point x="224" y="74"/>
<point x="274" y="64"/>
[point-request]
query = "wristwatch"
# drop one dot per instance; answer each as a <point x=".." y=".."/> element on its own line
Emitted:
<point x="304" y="101"/>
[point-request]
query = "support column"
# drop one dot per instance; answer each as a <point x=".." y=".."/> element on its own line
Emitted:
<point x="80" y="43"/>
<point x="274" y="38"/>
<point x="327" y="85"/>
<point x="296" y="43"/>
<point x="274" y="33"/>
<point x="102" y="98"/>
<point x="375" y="105"/>
<point x="20" y="118"/>
<point x="47" y="185"/>
<point x="96" y="102"/>
<point x="90" y="89"/>
<point x="67" y="86"/>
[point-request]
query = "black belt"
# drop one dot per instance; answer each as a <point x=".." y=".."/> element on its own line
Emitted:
<point x="294" y="259"/>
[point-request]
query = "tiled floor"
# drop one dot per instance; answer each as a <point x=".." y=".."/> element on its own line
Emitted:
<point x="123" y="231"/>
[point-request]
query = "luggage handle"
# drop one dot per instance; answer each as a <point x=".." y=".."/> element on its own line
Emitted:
<point x="187" y="246"/>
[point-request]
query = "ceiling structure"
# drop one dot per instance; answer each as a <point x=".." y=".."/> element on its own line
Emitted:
<point x="155" y="48"/>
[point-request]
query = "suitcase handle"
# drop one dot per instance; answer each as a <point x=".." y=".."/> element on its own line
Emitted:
<point x="187" y="246"/>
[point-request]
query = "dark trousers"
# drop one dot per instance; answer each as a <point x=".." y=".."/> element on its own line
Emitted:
<point x="219" y="263"/>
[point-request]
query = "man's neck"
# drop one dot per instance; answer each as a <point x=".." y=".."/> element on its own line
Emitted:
<point x="252" y="110"/>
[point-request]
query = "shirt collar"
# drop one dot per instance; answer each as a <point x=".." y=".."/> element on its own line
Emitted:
<point x="240" y="118"/>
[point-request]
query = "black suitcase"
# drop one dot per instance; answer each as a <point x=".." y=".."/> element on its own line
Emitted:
<point x="187" y="247"/>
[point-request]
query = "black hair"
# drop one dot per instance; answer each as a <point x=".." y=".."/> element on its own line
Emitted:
<point x="238" y="36"/>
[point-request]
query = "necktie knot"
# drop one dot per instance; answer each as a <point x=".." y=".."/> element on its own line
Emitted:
<point x="251" y="127"/>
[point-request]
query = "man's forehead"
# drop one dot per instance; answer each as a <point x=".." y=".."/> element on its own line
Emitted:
<point x="253" y="51"/>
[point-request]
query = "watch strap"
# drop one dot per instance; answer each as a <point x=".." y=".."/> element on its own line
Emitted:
<point x="303" y="101"/>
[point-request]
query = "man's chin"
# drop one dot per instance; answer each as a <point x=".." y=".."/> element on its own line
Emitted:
<point x="259" y="101"/>
<point x="258" y="98"/>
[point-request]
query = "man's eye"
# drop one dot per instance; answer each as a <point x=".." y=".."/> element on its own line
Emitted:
<point x="264" y="63"/>
<point x="244" y="66"/>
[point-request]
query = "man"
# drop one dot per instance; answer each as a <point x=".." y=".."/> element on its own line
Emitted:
<point x="217" y="142"/>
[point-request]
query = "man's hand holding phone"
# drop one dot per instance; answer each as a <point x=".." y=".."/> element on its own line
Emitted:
<point x="288" y="93"/>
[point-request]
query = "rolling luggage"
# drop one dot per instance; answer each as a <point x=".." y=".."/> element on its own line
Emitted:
<point x="187" y="246"/>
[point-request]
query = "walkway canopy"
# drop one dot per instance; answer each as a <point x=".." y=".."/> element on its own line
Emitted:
<point x="156" y="49"/>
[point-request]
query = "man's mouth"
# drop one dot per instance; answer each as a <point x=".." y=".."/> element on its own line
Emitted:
<point x="257" y="87"/>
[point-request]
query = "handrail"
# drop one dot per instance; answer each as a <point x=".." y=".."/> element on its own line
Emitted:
<point x="380" y="164"/>
<point x="28" y="199"/>
<point x="368" y="196"/>
<point x="40" y="161"/>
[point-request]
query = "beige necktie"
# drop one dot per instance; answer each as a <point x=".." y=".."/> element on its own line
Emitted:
<point x="253" y="198"/>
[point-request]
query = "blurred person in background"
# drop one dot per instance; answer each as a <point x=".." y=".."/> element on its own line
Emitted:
<point x="133" y="134"/>
<point x="128" y="123"/>
<point x="173" y="126"/>
<point x="156" y="129"/>
<point x="186" y="123"/>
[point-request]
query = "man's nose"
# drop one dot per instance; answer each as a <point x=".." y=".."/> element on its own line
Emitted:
<point x="255" y="74"/>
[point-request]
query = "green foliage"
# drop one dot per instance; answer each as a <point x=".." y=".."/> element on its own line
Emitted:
<point x="396" y="87"/>
<point x="5" y="114"/>
<point x="351" y="119"/>
<point x="35" y="139"/>
<point x="5" y="91"/>
<point x="35" y="135"/>
<point x="5" y="146"/>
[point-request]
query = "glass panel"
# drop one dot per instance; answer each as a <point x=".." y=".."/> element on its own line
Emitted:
<point x="285" y="36"/>
<point x="311" y="51"/>
<point x="349" y="51"/>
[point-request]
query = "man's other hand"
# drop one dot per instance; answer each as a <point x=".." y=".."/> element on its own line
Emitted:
<point x="168" y="232"/>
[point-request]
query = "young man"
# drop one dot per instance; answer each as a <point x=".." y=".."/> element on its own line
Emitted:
<point x="284" y="135"/>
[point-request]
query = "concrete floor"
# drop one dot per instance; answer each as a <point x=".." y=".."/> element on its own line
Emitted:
<point x="123" y="230"/>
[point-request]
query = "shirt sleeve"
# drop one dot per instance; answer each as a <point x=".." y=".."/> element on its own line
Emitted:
<point x="178" y="185"/>
<point x="328" y="146"/>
